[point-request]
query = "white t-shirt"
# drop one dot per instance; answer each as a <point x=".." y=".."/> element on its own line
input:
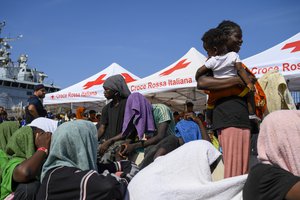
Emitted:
<point x="223" y="66"/>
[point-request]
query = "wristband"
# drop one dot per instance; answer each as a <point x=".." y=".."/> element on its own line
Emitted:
<point x="43" y="149"/>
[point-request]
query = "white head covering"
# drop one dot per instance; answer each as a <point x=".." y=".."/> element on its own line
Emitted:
<point x="48" y="125"/>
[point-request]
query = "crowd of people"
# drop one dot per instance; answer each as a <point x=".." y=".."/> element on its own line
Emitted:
<point x="85" y="155"/>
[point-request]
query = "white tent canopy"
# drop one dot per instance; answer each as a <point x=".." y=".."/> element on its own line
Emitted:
<point x="90" y="89"/>
<point x="284" y="57"/>
<point x="175" y="84"/>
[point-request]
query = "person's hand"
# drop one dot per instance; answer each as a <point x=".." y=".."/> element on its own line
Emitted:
<point x="253" y="79"/>
<point x="251" y="87"/>
<point x="126" y="149"/>
<point x="43" y="139"/>
<point x="104" y="146"/>
<point x="190" y="116"/>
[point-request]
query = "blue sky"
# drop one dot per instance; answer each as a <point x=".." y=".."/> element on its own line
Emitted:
<point x="71" y="40"/>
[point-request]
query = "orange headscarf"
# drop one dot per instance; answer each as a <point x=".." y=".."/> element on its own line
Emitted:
<point x="79" y="112"/>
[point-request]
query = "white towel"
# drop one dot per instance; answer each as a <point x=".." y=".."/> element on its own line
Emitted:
<point x="185" y="174"/>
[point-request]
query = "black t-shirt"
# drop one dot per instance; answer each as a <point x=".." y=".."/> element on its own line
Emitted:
<point x="113" y="117"/>
<point x="34" y="100"/>
<point x="70" y="183"/>
<point x="268" y="182"/>
<point x="231" y="112"/>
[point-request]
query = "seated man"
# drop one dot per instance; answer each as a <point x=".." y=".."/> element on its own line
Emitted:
<point x="116" y="90"/>
<point x="188" y="129"/>
<point x="26" y="151"/>
<point x="139" y="116"/>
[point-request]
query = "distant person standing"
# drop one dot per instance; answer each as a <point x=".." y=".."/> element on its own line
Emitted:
<point x="92" y="116"/>
<point x="190" y="107"/>
<point x="3" y="114"/>
<point x="176" y="116"/>
<point x="35" y="106"/>
<point x="230" y="115"/>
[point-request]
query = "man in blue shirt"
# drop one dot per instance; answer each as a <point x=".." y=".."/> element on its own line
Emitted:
<point x="35" y="106"/>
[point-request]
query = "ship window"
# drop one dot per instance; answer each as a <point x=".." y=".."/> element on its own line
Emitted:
<point x="30" y="86"/>
<point x="6" y="83"/>
<point x="28" y="70"/>
<point x="14" y="84"/>
<point x="22" y="85"/>
<point x="1" y="82"/>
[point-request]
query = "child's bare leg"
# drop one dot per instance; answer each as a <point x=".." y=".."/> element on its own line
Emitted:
<point x="251" y="106"/>
<point x="251" y="103"/>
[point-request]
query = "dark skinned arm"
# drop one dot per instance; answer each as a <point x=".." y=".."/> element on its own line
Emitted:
<point x="30" y="168"/>
<point x="243" y="74"/>
<point x="211" y="83"/>
<point x="294" y="192"/>
<point x="161" y="132"/>
<point x="105" y="145"/>
<point x="201" y="71"/>
<point x="205" y="82"/>
<point x="101" y="130"/>
<point x="32" y="110"/>
<point x="200" y="124"/>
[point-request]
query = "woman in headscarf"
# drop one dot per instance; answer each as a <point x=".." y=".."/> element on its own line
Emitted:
<point x="70" y="171"/>
<point x="80" y="113"/>
<point x="26" y="150"/>
<point x="230" y="115"/>
<point x="277" y="177"/>
<point x="116" y="90"/>
<point x="7" y="128"/>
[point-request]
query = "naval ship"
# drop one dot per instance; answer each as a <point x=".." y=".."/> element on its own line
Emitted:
<point x="17" y="79"/>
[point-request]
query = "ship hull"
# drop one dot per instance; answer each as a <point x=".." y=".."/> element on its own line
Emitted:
<point x="14" y="95"/>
